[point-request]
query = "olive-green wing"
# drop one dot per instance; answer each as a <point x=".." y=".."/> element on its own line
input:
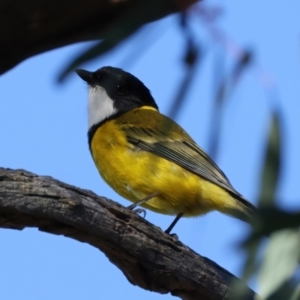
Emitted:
<point x="148" y="130"/>
<point x="168" y="140"/>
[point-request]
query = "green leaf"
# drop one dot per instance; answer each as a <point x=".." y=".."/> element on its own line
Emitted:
<point x="269" y="181"/>
<point x="280" y="261"/>
<point x="269" y="220"/>
<point x="286" y="291"/>
<point x="296" y="293"/>
<point x="239" y="288"/>
<point x="271" y="169"/>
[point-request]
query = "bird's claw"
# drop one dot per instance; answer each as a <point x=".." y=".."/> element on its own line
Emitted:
<point x="140" y="211"/>
<point x="174" y="236"/>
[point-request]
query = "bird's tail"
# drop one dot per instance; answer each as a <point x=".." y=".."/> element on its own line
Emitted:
<point x="244" y="210"/>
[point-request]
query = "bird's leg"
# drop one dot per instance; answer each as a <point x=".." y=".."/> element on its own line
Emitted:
<point x="140" y="210"/>
<point x="173" y="223"/>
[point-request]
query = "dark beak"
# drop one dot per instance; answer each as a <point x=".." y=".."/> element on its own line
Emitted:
<point x="85" y="75"/>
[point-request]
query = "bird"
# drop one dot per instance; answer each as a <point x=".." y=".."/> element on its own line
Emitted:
<point x="149" y="159"/>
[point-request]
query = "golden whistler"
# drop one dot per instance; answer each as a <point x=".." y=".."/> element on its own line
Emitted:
<point x="141" y="153"/>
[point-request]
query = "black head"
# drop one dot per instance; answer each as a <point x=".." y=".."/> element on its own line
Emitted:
<point x="122" y="88"/>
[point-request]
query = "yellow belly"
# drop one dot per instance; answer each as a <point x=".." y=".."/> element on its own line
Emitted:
<point x="136" y="174"/>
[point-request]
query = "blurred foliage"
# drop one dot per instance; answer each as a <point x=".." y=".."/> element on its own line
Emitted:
<point x="224" y="87"/>
<point x="271" y="170"/>
<point x="279" y="261"/>
<point x="192" y="58"/>
<point x="274" y="260"/>
<point x="127" y="25"/>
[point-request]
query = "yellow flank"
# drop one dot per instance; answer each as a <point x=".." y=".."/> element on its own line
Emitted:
<point x="136" y="174"/>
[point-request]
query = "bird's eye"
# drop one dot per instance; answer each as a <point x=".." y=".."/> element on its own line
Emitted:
<point x="122" y="89"/>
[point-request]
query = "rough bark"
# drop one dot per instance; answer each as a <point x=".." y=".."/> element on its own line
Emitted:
<point x="146" y="255"/>
<point x="32" y="27"/>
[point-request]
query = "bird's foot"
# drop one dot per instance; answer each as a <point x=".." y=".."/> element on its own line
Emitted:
<point x="174" y="236"/>
<point x="134" y="205"/>
<point x="140" y="211"/>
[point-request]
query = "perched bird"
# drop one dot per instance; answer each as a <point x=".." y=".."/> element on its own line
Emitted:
<point x="144" y="155"/>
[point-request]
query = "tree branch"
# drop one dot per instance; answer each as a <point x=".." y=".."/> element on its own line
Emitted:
<point x="30" y="28"/>
<point x="147" y="256"/>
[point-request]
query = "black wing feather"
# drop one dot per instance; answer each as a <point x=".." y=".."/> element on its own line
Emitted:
<point x="185" y="155"/>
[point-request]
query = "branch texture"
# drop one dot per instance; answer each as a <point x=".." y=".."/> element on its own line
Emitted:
<point x="146" y="255"/>
<point x="31" y="27"/>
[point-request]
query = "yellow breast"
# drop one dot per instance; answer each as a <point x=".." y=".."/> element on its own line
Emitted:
<point x="136" y="174"/>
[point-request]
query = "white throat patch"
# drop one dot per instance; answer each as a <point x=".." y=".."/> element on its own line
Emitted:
<point x="100" y="106"/>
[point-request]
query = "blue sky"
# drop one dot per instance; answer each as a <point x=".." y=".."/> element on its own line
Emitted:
<point x="44" y="126"/>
